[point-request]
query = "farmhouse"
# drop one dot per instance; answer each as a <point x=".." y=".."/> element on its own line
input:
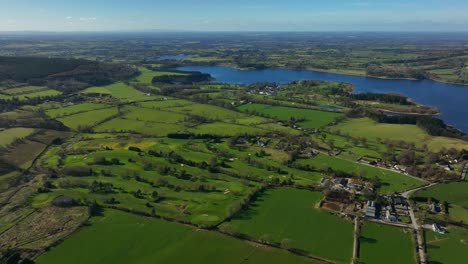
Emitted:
<point x="438" y="229"/>
<point x="390" y="217"/>
<point x="434" y="208"/>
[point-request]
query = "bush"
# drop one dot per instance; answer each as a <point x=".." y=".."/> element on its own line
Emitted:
<point x="78" y="171"/>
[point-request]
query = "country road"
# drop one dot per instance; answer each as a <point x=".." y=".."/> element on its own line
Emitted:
<point x="418" y="228"/>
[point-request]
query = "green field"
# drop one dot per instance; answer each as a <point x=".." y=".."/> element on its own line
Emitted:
<point x="151" y="115"/>
<point x="24" y="90"/>
<point x="454" y="193"/>
<point x="119" y="237"/>
<point x="449" y="248"/>
<point x="146" y="75"/>
<point x="290" y="214"/>
<point x="120" y="91"/>
<point x="391" y="181"/>
<point x="87" y="119"/>
<point x="313" y="118"/>
<point x="40" y="93"/>
<point x="365" y="127"/>
<point x="386" y="245"/>
<point x="7" y="136"/>
<point x="136" y="126"/>
<point x="208" y="111"/>
<point x="73" y="109"/>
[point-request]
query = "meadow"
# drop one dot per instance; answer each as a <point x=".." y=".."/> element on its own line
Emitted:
<point x="23" y="90"/>
<point x="447" y="248"/>
<point x="454" y="193"/>
<point x="291" y="214"/>
<point x="386" y="245"/>
<point x="121" y="91"/>
<point x="391" y="181"/>
<point x="365" y="127"/>
<point x="88" y="119"/>
<point x="313" y="118"/>
<point x="32" y="94"/>
<point x="186" y="193"/>
<point x="7" y="136"/>
<point x="60" y="110"/>
<point x="118" y="237"/>
<point x="146" y="75"/>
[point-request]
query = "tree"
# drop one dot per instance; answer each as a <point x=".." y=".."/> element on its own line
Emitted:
<point x="230" y="229"/>
<point x="375" y="182"/>
<point x="155" y="196"/>
<point x="407" y="157"/>
<point x="267" y="239"/>
<point x="287" y="243"/>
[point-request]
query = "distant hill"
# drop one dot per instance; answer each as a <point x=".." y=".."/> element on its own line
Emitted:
<point x="62" y="74"/>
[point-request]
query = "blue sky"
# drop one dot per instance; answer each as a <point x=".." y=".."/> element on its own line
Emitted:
<point x="234" y="15"/>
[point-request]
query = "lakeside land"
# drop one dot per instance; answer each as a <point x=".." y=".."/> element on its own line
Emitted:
<point x="142" y="159"/>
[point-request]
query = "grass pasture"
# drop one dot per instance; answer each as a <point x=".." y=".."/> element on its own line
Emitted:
<point x="365" y="127"/>
<point x="61" y="111"/>
<point x="146" y="75"/>
<point x="449" y="248"/>
<point x="151" y="115"/>
<point x="121" y="125"/>
<point x="7" y="136"/>
<point x="386" y="245"/>
<point x="23" y="154"/>
<point x="313" y="118"/>
<point x="24" y="90"/>
<point x="290" y="214"/>
<point x="33" y="94"/>
<point x="88" y="119"/>
<point x="454" y="193"/>
<point x="391" y="181"/>
<point x="208" y="111"/>
<point x="120" y="91"/>
<point x="118" y="237"/>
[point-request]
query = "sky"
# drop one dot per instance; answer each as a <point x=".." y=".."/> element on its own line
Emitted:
<point x="234" y="15"/>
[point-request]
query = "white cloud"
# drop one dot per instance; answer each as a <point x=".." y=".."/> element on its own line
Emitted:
<point x="68" y="18"/>
<point x="88" y="19"/>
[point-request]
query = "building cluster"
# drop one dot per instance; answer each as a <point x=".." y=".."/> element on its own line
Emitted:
<point x="350" y="185"/>
<point x="390" y="210"/>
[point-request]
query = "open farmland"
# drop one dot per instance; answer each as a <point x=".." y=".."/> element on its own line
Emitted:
<point x="120" y="125"/>
<point x="185" y="193"/>
<point x="385" y="244"/>
<point x="291" y="214"/>
<point x="118" y="237"/>
<point x="371" y="130"/>
<point x="312" y="118"/>
<point x="391" y="181"/>
<point x="88" y="119"/>
<point x="146" y="75"/>
<point x="32" y="94"/>
<point x="447" y="248"/>
<point x="7" y="136"/>
<point x="22" y="154"/>
<point x="23" y="90"/>
<point x="455" y="192"/>
<point x="120" y="91"/>
<point x="61" y="111"/>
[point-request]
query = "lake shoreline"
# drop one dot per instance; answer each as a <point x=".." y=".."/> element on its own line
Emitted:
<point x="324" y="71"/>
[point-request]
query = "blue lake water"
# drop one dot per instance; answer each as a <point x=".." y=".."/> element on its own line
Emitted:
<point x="450" y="99"/>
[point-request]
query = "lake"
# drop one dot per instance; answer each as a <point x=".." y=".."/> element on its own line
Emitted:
<point x="450" y="99"/>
